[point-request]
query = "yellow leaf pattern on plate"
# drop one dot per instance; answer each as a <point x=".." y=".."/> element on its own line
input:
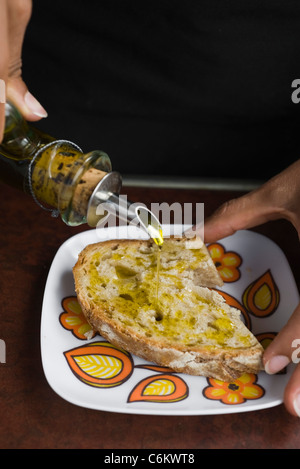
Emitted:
<point x="263" y="297"/>
<point x="160" y="387"/>
<point x="99" y="366"/>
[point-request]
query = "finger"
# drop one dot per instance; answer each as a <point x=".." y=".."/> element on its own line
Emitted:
<point x="277" y="198"/>
<point x="2" y="120"/>
<point x="237" y="214"/>
<point x="19" y="13"/>
<point x="2" y="107"/>
<point x="28" y="105"/>
<point x="291" y="397"/>
<point x="283" y="349"/>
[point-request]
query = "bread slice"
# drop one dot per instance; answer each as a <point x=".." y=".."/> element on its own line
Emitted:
<point x="175" y="321"/>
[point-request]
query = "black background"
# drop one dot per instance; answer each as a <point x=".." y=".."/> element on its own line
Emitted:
<point x="189" y="88"/>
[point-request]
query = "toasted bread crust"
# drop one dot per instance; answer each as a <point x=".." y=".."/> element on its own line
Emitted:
<point x="220" y="362"/>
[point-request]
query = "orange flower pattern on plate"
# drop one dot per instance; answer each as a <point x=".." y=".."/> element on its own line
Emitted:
<point x="239" y="391"/>
<point x="102" y="365"/>
<point x="226" y="262"/>
<point x="73" y="319"/>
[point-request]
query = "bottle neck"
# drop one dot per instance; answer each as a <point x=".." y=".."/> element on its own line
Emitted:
<point x="61" y="179"/>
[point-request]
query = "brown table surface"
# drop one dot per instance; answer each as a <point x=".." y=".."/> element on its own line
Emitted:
<point x="34" y="416"/>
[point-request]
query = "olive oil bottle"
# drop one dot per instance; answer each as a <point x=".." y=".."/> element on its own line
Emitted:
<point x="58" y="175"/>
<point x="63" y="179"/>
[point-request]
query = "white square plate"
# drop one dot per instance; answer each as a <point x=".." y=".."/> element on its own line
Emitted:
<point x="91" y="373"/>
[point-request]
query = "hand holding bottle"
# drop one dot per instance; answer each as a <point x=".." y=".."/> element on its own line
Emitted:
<point x="278" y="198"/>
<point x="14" y="18"/>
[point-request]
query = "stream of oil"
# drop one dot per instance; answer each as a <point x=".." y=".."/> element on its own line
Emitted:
<point x="157" y="236"/>
<point x="158" y="239"/>
<point x="157" y="276"/>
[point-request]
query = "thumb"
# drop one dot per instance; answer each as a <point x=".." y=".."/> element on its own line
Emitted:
<point x="28" y="105"/>
<point x="237" y="214"/>
<point x="283" y="350"/>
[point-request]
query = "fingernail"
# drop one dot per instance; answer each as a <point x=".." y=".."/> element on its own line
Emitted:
<point x="276" y="364"/>
<point x="34" y="106"/>
<point x="297" y="404"/>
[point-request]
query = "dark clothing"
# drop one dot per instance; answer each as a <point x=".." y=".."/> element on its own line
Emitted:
<point x="199" y="88"/>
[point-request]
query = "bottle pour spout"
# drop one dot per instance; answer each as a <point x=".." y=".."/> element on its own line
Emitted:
<point x="105" y="200"/>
